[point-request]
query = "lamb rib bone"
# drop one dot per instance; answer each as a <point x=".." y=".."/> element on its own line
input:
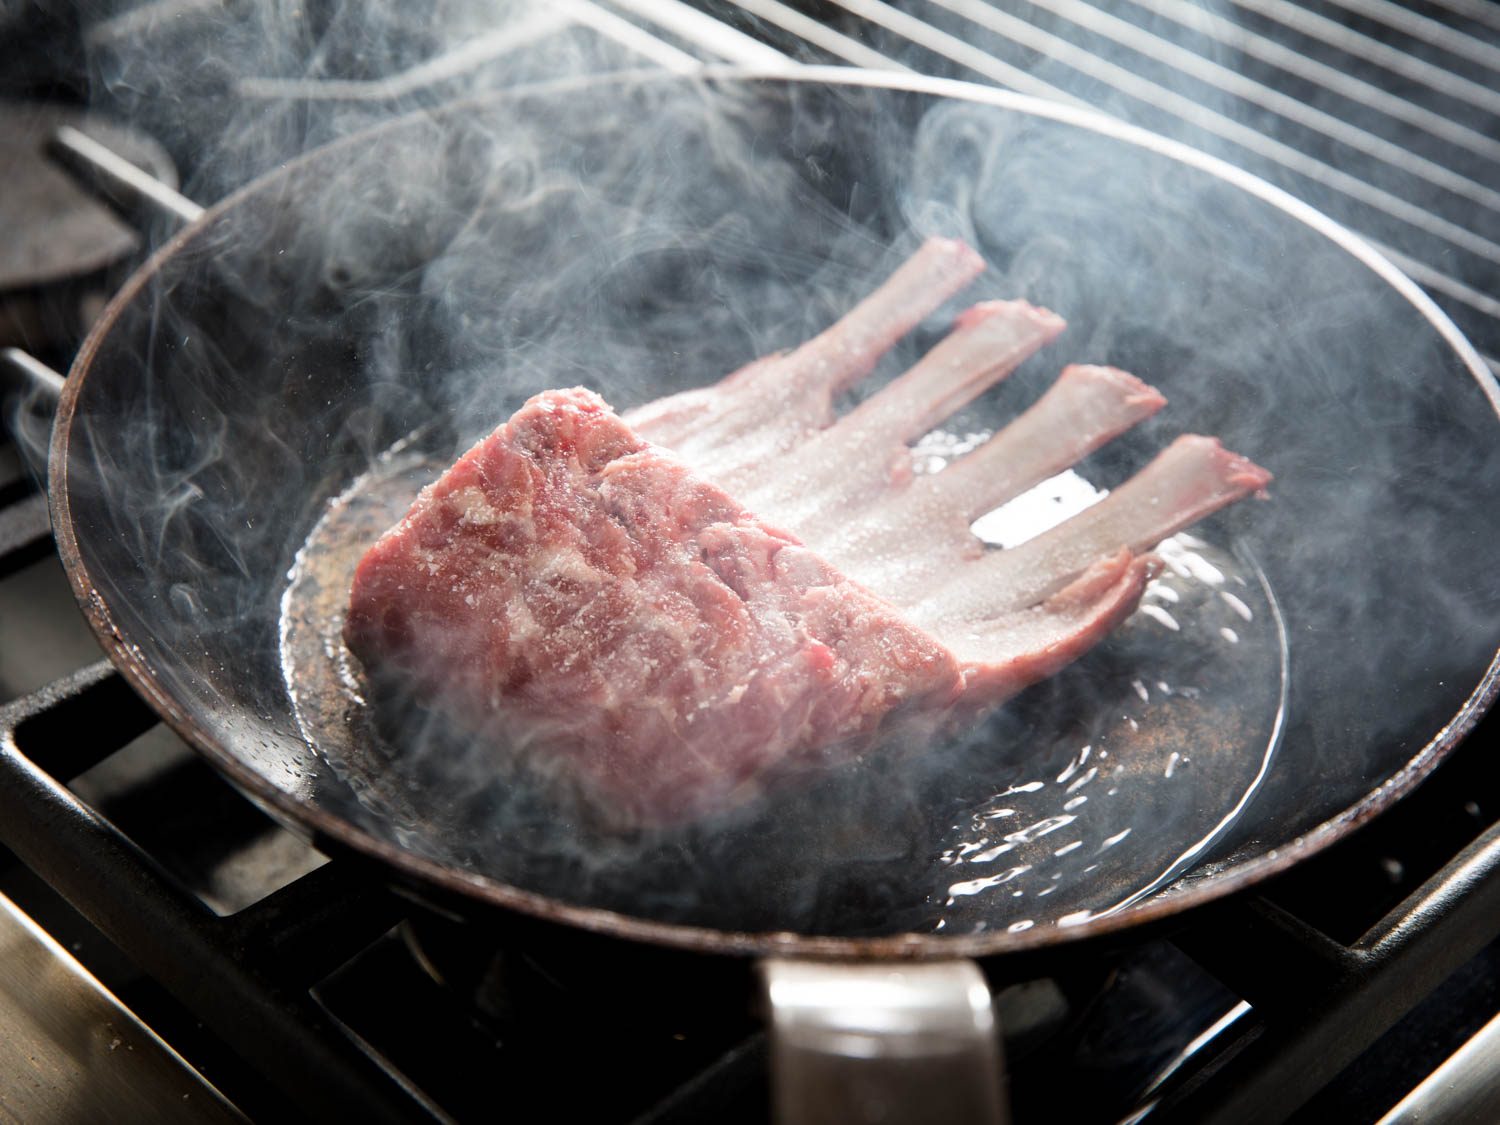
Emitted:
<point x="845" y="486"/>
<point x="1085" y="408"/>
<point x="766" y="407"/>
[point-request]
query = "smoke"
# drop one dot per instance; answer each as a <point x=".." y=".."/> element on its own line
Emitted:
<point x="515" y="224"/>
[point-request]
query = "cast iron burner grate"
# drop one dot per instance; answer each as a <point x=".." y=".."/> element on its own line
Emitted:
<point x="1384" y="115"/>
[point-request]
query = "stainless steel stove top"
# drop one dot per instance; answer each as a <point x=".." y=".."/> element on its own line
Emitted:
<point x="70" y="1051"/>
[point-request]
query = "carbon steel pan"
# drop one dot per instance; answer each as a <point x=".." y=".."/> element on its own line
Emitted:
<point x="269" y="391"/>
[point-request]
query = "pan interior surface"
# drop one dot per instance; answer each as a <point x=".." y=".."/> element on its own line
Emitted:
<point x="284" y="377"/>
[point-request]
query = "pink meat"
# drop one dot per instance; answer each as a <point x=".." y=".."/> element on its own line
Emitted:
<point x="569" y="587"/>
<point x="605" y="595"/>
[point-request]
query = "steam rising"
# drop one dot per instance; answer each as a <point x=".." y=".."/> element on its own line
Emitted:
<point x="383" y="304"/>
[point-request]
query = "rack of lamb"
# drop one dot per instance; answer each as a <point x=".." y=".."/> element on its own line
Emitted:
<point x="678" y="609"/>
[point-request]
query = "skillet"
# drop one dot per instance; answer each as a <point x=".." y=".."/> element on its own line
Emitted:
<point x="320" y="339"/>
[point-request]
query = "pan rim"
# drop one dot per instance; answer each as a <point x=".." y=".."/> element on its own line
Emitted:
<point x="323" y="825"/>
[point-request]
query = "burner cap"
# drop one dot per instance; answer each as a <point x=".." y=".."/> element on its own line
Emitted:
<point x="54" y="230"/>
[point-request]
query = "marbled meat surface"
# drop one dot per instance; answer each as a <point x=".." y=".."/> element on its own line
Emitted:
<point x="570" y="588"/>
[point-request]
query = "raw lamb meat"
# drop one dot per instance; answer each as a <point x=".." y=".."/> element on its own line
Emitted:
<point x="675" y="610"/>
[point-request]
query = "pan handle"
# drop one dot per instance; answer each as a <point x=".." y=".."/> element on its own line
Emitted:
<point x="131" y="191"/>
<point x="898" y="1043"/>
<point x="139" y="198"/>
<point x="24" y="375"/>
<point x="29" y="391"/>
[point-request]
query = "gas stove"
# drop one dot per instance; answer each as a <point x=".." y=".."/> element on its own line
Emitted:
<point x="214" y="965"/>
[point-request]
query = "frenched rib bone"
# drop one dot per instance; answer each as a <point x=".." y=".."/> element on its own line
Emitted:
<point x="731" y="585"/>
<point x="767" y="407"/>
